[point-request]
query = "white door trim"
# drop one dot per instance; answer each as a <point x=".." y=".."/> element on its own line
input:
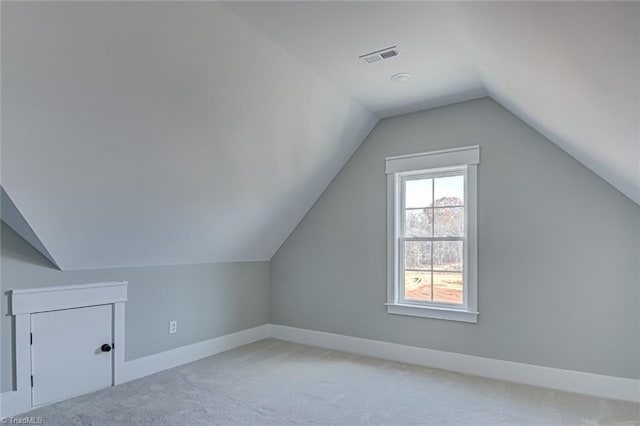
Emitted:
<point x="29" y="301"/>
<point x="22" y="303"/>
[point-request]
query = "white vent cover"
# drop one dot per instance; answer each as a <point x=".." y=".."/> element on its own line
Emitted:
<point x="379" y="55"/>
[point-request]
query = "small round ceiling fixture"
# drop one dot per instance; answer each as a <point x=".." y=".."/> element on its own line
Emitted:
<point x="401" y="77"/>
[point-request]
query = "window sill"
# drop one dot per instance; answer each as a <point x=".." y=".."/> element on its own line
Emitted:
<point x="432" y="312"/>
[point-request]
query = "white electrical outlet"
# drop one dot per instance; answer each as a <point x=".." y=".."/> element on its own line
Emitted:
<point x="173" y="327"/>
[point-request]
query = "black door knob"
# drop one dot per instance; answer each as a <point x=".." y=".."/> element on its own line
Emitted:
<point x="105" y="348"/>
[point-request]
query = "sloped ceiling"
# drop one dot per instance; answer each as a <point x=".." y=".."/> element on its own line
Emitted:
<point x="162" y="133"/>
<point x="12" y="217"/>
<point x="166" y="133"/>
<point x="571" y="70"/>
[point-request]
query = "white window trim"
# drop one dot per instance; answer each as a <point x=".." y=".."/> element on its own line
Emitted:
<point x="396" y="168"/>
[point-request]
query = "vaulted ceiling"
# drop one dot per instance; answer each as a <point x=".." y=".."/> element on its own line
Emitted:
<point x="164" y="133"/>
<point x="571" y="70"/>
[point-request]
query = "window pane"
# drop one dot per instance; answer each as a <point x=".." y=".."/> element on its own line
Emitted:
<point x="418" y="193"/>
<point x="417" y="285"/>
<point x="447" y="287"/>
<point x="449" y="222"/>
<point x="417" y="255"/>
<point x="449" y="191"/>
<point x="447" y="255"/>
<point x="418" y="223"/>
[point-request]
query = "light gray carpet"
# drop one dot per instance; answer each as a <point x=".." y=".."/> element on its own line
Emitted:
<point x="272" y="382"/>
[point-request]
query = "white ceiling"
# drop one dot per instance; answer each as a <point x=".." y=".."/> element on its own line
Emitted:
<point x="166" y="133"/>
<point x="330" y="36"/>
<point x="162" y="133"/>
<point x="569" y="69"/>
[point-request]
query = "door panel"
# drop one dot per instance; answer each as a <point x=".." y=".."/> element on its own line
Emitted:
<point x="66" y="355"/>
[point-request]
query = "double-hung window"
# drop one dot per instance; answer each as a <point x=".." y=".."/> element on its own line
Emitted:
<point x="432" y="247"/>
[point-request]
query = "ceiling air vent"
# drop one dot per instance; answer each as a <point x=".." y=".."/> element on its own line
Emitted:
<point x="379" y="55"/>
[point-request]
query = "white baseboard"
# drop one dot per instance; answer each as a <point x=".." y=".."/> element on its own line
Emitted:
<point x="13" y="403"/>
<point x="151" y="364"/>
<point x="554" y="378"/>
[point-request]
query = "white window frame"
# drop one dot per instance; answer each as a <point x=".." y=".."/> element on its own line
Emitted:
<point x="463" y="160"/>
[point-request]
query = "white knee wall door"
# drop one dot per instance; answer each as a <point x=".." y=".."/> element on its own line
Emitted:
<point x="68" y="340"/>
<point x="71" y="352"/>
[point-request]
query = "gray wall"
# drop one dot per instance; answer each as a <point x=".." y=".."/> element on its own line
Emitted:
<point x="559" y="275"/>
<point x="558" y="250"/>
<point x="208" y="300"/>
